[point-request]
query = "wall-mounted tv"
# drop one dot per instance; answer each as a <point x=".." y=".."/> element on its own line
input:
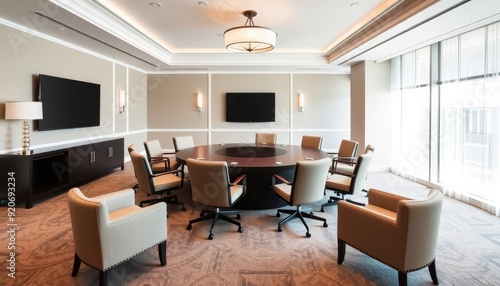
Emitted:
<point x="250" y="107"/>
<point x="68" y="103"/>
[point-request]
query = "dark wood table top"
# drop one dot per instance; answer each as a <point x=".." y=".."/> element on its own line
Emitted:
<point x="252" y="155"/>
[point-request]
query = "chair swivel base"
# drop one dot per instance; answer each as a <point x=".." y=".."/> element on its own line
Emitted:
<point x="298" y="213"/>
<point x="332" y="201"/>
<point x="215" y="216"/>
<point x="168" y="200"/>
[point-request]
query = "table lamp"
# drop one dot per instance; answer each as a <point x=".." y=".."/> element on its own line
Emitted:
<point x="25" y="111"/>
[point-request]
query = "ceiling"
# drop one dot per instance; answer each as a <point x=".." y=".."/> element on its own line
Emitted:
<point x="187" y="35"/>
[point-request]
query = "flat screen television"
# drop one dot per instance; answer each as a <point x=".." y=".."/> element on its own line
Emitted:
<point x="250" y="107"/>
<point x="68" y="103"/>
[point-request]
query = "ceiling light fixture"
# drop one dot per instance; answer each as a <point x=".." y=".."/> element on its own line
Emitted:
<point x="250" y="38"/>
<point x="156" y="4"/>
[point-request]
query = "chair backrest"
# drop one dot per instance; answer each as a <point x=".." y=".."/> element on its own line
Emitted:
<point x="360" y="172"/>
<point x="183" y="142"/>
<point x="308" y="184"/>
<point x="265" y="138"/>
<point x="312" y="142"/>
<point x="348" y="148"/>
<point x="86" y="216"/>
<point x="143" y="172"/>
<point x="369" y="147"/>
<point x="209" y="182"/>
<point x="422" y="217"/>
<point x="153" y="148"/>
<point x="131" y="147"/>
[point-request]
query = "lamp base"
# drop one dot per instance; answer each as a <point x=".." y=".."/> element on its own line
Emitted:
<point x="25" y="152"/>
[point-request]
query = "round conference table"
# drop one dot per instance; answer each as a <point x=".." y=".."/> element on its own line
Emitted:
<point x="259" y="162"/>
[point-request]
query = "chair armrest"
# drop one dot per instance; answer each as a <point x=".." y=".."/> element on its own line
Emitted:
<point x="281" y="179"/>
<point x="347" y="160"/>
<point x="117" y="200"/>
<point x="169" y="172"/>
<point x="237" y="180"/>
<point x="384" y="200"/>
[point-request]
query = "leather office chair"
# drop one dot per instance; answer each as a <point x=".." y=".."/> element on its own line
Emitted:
<point x="180" y="143"/>
<point x="131" y="148"/>
<point x="265" y="138"/>
<point x="157" y="184"/>
<point x="159" y="160"/>
<point x="399" y="232"/>
<point x="307" y="187"/>
<point x="348" y="166"/>
<point x="211" y="186"/>
<point x="311" y="142"/>
<point x="346" y="154"/>
<point x="110" y="229"/>
<point x="344" y="184"/>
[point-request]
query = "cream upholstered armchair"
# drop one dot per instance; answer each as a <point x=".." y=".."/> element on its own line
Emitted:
<point x="399" y="232"/>
<point x="110" y="229"/>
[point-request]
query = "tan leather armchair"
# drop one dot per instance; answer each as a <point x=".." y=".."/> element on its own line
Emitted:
<point x="110" y="229"/>
<point x="160" y="161"/>
<point x="311" y="142"/>
<point x="399" y="232"/>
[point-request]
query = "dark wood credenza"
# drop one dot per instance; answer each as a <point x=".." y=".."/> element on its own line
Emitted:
<point x="47" y="171"/>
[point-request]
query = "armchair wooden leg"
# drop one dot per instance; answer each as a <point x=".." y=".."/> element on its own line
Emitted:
<point x="402" y="278"/>
<point x="76" y="265"/>
<point x="162" y="252"/>
<point x="103" y="278"/>
<point x="432" y="270"/>
<point x="341" y="251"/>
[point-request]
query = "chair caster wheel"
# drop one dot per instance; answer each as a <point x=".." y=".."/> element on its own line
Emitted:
<point x="183" y="208"/>
<point x="240" y="229"/>
<point x="189" y="227"/>
<point x="202" y="214"/>
<point x="308" y="234"/>
<point x="211" y="236"/>
<point x="278" y="214"/>
<point x="311" y="213"/>
<point x="325" y="224"/>
<point x="280" y="229"/>
<point x="238" y="216"/>
<point x="322" y="210"/>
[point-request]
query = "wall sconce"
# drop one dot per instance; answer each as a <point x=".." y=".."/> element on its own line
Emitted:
<point x="121" y="100"/>
<point x="199" y="98"/>
<point x="24" y="111"/>
<point x="301" y="102"/>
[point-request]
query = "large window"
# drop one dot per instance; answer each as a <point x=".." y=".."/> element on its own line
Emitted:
<point x="466" y="105"/>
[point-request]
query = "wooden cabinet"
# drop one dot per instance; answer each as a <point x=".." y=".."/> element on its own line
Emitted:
<point x="51" y="170"/>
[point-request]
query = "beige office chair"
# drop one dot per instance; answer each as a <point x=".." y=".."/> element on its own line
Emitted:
<point x="399" y="232"/>
<point x="346" y="155"/>
<point x="110" y="229"/>
<point x="265" y="138"/>
<point x="211" y="186"/>
<point x="180" y="143"/>
<point x="157" y="184"/>
<point x="343" y="184"/>
<point x="307" y="187"/>
<point x="131" y="148"/>
<point x="159" y="160"/>
<point x="311" y="142"/>
<point x="348" y="166"/>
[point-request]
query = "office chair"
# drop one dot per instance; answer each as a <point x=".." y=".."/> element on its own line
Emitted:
<point x="211" y="186"/>
<point x="308" y="186"/>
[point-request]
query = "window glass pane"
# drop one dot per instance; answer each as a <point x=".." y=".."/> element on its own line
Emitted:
<point x="470" y="137"/>
<point x="408" y="70"/>
<point x="423" y="60"/>
<point x="449" y="59"/>
<point x="415" y="132"/>
<point x="494" y="48"/>
<point x="472" y="53"/>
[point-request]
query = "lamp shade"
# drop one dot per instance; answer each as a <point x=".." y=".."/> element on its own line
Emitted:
<point x="250" y="39"/>
<point x="23" y="110"/>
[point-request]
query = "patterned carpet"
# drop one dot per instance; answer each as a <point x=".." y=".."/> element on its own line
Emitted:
<point x="468" y="247"/>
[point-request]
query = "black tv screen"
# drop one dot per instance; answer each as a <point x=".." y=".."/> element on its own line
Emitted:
<point x="68" y="103"/>
<point x="250" y="107"/>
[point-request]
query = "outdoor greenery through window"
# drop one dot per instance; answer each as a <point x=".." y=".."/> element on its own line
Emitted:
<point x="467" y="112"/>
